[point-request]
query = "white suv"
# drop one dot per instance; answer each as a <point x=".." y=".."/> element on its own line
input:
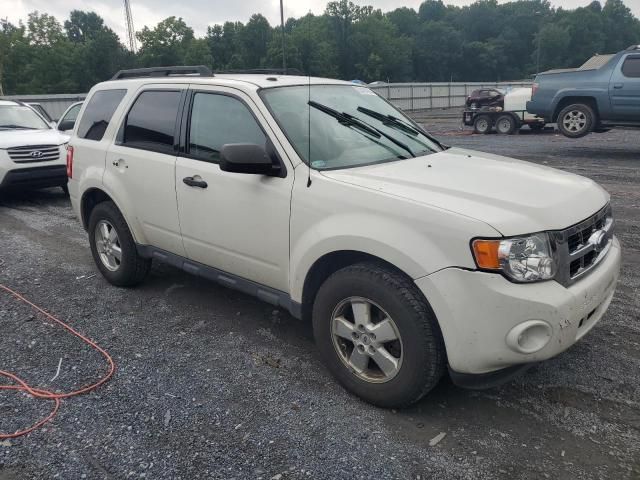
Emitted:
<point x="32" y="153"/>
<point x="320" y="197"/>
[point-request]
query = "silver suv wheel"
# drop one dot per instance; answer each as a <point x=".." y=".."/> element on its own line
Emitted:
<point x="108" y="245"/>
<point x="574" y="121"/>
<point x="367" y="340"/>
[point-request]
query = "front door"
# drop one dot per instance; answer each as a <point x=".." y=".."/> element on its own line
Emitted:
<point x="624" y="89"/>
<point x="237" y="223"/>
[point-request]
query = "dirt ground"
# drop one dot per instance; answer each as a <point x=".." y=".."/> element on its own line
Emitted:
<point x="212" y="383"/>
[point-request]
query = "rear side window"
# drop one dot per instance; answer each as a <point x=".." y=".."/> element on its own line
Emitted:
<point x="151" y="122"/>
<point x="97" y="115"/>
<point x="217" y="120"/>
<point x="631" y="67"/>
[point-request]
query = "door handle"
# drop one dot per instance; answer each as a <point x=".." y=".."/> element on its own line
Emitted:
<point x="116" y="163"/>
<point x="195" y="182"/>
<point x="618" y="85"/>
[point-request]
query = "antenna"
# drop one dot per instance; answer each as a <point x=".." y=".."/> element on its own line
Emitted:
<point x="309" y="101"/>
<point x="284" y="55"/>
<point x="131" y="32"/>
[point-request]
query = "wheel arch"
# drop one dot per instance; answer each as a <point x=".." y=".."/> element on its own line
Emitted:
<point x="94" y="196"/>
<point x="328" y="264"/>
<point x="588" y="100"/>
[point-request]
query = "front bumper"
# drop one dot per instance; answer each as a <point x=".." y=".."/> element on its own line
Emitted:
<point x="35" y="177"/>
<point x="477" y="311"/>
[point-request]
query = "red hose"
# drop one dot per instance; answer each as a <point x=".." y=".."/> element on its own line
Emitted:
<point x="21" y="385"/>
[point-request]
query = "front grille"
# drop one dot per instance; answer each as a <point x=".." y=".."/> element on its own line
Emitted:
<point x="581" y="247"/>
<point x="34" y="153"/>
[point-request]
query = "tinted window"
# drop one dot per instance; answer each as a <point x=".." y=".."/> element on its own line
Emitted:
<point x="631" y="67"/>
<point x="217" y="120"/>
<point x="98" y="113"/>
<point x="152" y="119"/>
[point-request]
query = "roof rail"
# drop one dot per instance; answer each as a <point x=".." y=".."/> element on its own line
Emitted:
<point x="634" y="47"/>
<point x="193" y="70"/>
<point x="265" y="71"/>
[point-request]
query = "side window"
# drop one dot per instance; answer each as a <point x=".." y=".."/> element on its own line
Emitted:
<point x="217" y="120"/>
<point x="631" y="67"/>
<point x="151" y="122"/>
<point x="72" y="114"/>
<point x="98" y="113"/>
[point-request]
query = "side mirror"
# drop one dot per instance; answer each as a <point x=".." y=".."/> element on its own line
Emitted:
<point x="65" y="125"/>
<point x="247" y="158"/>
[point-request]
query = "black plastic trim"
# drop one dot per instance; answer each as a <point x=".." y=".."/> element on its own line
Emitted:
<point x="187" y="70"/>
<point x="481" y="381"/>
<point x="264" y="293"/>
<point x="35" y="177"/>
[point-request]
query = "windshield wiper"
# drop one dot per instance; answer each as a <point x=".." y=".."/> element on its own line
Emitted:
<point x="400" y="124"/>
<point x="351" y="121"/>
<point x="17" y="126"/>
<point x="390" y="120"/>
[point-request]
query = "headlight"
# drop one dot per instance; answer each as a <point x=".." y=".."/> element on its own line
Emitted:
<point x="522" y="259"/>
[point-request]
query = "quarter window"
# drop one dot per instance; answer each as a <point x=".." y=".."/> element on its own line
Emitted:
<point x="631" y="67"/>
<point x="151" y="122"/>
<point x="217" y="120"/>
<point x="97" y="115"/>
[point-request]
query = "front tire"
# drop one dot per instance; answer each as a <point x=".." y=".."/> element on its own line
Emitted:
<point x="113" y="247"/>
<point x="576" y="120"/>
<point x="378" y="335"/>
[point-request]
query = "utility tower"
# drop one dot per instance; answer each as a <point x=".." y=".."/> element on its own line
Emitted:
<point x="131" y="32"/>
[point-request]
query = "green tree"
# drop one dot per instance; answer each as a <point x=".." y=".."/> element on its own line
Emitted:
<point x="166" y="44"/>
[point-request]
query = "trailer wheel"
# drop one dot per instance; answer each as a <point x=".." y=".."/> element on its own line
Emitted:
<point x="482" y="124"/>
<point x="506" y="124"/>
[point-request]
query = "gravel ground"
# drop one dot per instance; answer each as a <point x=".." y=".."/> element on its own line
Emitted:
<point x="215" y="384"/>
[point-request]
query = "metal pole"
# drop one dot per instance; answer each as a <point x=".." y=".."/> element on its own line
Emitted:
<point x="284" y="55"/>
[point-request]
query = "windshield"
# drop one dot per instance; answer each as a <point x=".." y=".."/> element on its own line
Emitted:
<point x="350" y="126"/>
<point x="20" y="117"/>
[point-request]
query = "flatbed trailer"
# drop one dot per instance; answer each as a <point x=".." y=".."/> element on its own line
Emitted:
<point x="505" y="122"/>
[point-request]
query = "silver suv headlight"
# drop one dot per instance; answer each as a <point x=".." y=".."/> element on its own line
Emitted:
<point x="530" y="258"/>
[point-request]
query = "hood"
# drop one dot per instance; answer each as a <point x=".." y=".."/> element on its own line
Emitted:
<point x="513" y="196"/>
<point x="21" y="138"/>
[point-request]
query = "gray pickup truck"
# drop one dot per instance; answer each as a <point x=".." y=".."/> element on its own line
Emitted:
<point x="602" y="93"/>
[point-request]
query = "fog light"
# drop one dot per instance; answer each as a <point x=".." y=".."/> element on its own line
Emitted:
<point x="529" y="337"/>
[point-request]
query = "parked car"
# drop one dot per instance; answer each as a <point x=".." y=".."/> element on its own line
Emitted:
<point x="318" y="196"/>
<point x="32" y="153"/>
<point x="68" y="119"/>
<point x="485" y="97"/>
<point x="601" y="94"/>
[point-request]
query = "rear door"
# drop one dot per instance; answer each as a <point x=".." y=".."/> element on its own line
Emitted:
<point x="237" y="223"/>
<point x="624" y="89"/>
<point x="140" y="167"/>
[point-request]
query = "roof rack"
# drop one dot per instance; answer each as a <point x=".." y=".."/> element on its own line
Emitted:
<point x="193" y="70"/>
<point x="634" y="47"/>
<point x="265" y="71"/>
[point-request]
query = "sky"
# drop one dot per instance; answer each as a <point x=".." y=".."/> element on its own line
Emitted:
<point x="198" y="14"/>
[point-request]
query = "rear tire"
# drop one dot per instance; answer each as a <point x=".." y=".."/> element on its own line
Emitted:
<point x="113" y="247"/>
<point x="416" y="343"/>
<point x="482" y="124"/>
<point x="576" y="121"/>
<point x="506" y="124"/>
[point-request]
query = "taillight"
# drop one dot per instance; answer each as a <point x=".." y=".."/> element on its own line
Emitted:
<point x="534" y="89"/>
<point x="69" y="161"/>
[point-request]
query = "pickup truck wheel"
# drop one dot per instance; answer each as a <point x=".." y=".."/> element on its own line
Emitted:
<point x="506" y="124"/>
<point x="113" y="247"/>
<point x="378" y="335"/>
<point x="576" y="120"/>
<point x="482" y="124"/>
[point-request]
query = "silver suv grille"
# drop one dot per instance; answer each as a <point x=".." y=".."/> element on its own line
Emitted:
<point x="582" y="246"/>
<point x="34" y="153"/>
